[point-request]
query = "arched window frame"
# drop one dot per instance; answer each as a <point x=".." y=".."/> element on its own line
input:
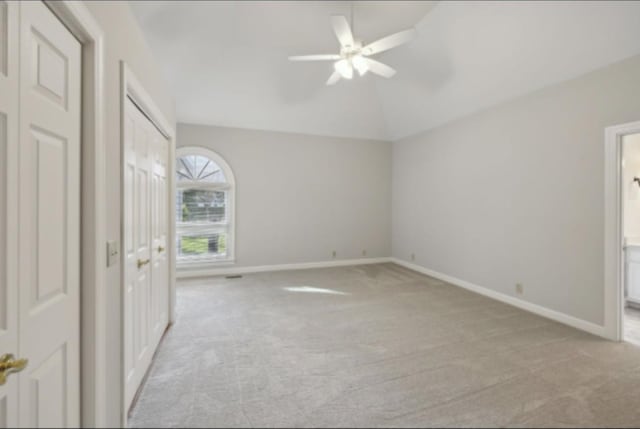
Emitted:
<point x="230" y="219"/>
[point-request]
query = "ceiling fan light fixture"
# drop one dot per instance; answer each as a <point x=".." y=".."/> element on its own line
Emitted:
<point x="354" y="56"/>
<point x="360" y="64"/>
<point x="344" y="68"/>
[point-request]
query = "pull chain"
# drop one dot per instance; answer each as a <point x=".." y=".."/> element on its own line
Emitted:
<point x="353" y="29"/>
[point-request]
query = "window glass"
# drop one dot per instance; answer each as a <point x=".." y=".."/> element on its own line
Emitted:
<point x="201" y="205"/>
<point x="202" y="245"/>
<point x="196" y="168"/>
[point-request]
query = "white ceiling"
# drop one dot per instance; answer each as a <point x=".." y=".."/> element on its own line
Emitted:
<point x="227" y="62"/>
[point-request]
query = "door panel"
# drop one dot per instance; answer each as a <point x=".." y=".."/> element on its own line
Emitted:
<point x="129" y="158"/>
<point x="137" y="273"/>
<point x="48" y="385"/>
<point x="9" y="125"/>
<point x="50" y="71"/>
<point x="49" y="221"/>
<point x="142" y="245"/>
<point x="160" y="275"/>
<point x="50" y="197"/>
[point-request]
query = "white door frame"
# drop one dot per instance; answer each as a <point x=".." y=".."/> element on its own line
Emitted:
<point x="613" y="229"/>
<point x="132" y="87"/>
<point x="77" y="18"/>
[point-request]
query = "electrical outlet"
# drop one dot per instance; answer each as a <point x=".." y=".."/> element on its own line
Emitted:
<point x="364" y="252"/>
<point x="413" y="256"/>
<point x="519" y="288"/>
<point x="333" y="254"/>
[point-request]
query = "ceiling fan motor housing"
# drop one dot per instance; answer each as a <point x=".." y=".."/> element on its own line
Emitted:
<point x="350" y="51"/>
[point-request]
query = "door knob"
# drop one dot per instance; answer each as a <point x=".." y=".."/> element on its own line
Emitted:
<point x="143" y="262"/>
<point x="160" y="249"/>
<point x="8" y="365"/>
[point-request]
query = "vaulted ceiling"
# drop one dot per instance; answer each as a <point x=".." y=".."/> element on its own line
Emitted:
<point x="227" y="62"/>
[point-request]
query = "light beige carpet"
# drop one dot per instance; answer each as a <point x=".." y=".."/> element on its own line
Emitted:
<point x="377" y="346"/>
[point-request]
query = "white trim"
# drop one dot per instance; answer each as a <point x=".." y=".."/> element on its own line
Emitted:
<point x="185" y="274"/>
<point x="208" y="186"/>
<point x="132" y="88"/>
<point x="613" y="233"/>
<point x="204" y="264"/>
<point x="77" y="18"/>
<point x="230" y="187"/>
<point x="192" y="227"/>
<point x="584" y="325"/>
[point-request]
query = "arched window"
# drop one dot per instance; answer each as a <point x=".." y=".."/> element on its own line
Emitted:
<point x="204" y="207"/>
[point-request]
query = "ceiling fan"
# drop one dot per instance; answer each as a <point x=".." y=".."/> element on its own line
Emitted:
<point x="354" y="56"/>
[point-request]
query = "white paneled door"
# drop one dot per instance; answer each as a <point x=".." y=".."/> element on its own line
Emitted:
<point x="40" y="213"/>
<point x="146" y="297"/>
<point x="9" y="116"/>
<point x="159" y="234"/>
<point x="137" y="246"/>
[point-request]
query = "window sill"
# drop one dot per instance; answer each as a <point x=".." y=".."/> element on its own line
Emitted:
<point x="199" y="265"/>
<point x="202" y="268"/>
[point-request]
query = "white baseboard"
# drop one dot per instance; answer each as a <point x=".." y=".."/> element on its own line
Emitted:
<point x="226" y="271"/>
<point x="574" y="322"/>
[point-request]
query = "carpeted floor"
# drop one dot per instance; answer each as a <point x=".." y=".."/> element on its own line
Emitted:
<point x="374" y="346"/>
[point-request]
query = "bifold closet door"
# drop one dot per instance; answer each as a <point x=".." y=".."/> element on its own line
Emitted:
<point x="146" y="294"/>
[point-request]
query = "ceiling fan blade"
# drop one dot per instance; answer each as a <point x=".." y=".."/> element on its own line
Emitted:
<point x="335" y="77"/>
<point x="342" y="30"/>
<point x="314" y="58"/>
<point x="379" y="68"/>
<point x="389" y="42"/>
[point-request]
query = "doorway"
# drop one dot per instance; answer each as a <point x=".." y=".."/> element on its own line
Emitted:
<point x="630" y="188"/>
<point x="621" y="231"/>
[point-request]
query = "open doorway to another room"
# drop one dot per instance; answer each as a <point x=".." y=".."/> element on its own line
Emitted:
<point x="631" y="236"/>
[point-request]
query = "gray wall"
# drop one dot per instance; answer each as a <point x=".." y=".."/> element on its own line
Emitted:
<point x="516" y="193"/>
<point x="300" y="197"/>
<point x="123" y="41"/>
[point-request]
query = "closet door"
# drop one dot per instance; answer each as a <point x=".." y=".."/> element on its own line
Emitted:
<point x="137" y="153"/>
<point x="146" y="294"/>
<point x="159" y="228"/>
